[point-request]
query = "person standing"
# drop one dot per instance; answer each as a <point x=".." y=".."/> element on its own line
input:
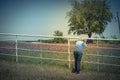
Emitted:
<point x="78" y="52"/>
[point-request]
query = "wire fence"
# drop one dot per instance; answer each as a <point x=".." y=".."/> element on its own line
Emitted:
<point x="100" y="53"/>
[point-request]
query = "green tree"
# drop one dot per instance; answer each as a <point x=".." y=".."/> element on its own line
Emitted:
<point x="58" y="33"/>
<point x="89" y="16"/>
<point x="59" y="40"/>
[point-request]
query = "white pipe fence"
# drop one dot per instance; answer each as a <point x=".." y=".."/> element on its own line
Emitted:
<point x="68" y="51"/>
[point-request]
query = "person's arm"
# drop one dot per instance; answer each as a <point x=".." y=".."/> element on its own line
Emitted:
<point x="85" y="45"/>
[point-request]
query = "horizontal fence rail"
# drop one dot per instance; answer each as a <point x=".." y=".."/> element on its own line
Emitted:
<point x="69" y="51"/>
<point x="46" y="36"/>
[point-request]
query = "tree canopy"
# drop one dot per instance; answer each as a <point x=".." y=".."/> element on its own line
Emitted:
<point x="58" y="33"/>
<point x="89" y="16"/>
<point x="59" y="40"/>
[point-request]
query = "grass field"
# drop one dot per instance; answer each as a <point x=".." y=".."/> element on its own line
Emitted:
<point x="34" y="57"/>
<point x="31" y="68"/>
<point x="21" y="71"/>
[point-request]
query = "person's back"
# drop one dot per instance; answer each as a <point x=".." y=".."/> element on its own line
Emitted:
<point x="79" y="46"/>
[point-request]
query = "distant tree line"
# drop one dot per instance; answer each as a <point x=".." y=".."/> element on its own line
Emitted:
<point x="55" y="40"/>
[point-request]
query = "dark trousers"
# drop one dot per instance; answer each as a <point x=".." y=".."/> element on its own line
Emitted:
<point x="77" y="57"/>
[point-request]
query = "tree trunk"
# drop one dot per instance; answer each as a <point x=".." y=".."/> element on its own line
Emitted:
<point x="89" y="33"/>
<point x="89" y="36"/>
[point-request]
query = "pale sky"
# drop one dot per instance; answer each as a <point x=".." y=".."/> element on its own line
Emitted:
<point x="43" y="17"/>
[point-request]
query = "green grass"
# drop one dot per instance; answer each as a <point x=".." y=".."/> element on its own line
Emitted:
<point x="22" y="71"/>
<point x="45" y="69"/>
<point x="64" y="56"/>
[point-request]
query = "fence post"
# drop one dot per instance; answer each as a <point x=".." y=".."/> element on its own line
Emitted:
<point x="98" y="67"/>
<point x="69" y="52"/>
<point x="16" y="48"/>
<point x="41" y="52"/>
